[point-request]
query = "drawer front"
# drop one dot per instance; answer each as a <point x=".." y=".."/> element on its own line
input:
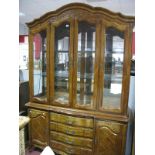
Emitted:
<point x="71" y="120"/>
<point x="65" y="149"/>
<point x="76" y="141"/>
<point x="75" y="131"/>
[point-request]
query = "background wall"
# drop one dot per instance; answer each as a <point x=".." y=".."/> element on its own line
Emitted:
<point x="23" y="29"/>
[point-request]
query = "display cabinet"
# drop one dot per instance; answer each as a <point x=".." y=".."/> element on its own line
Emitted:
<point x="79" y="64"/>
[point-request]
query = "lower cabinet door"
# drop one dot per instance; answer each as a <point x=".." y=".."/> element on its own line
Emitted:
<point x="39" y="129"/>
<point x="110" y="138"/>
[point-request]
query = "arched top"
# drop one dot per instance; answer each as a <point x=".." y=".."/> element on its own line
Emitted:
<point x="81" y="6"/>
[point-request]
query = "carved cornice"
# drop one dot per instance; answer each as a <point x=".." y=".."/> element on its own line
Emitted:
<point x="78" y="9"/>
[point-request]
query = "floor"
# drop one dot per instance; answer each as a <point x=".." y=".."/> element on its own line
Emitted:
<point x="32" y="152"/>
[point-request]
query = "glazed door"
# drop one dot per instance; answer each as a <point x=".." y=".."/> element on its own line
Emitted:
<point x="38" y="65"/>
<point x="61" y="63"/>
<point x="39" y="129"/>
<point x="114" y="68"/>
<point x="85" y="62"/>
<point x="110" y="138"/>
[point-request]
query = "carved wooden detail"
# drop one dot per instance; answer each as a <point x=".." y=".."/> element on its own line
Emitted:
<point x="74" y="14"/>
<point x="39" y="127"/>
<point x="72" y="10"/>
<point x="63" y="16"/>
<point x="115" y="128"/>
<point x="109" y="138"/>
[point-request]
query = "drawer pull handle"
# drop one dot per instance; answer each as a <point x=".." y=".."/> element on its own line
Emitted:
<point x="70" y="132"/>
<point x="70" y="122"/>
<point x="69" y="150"/>
<point x="69" y="142"/>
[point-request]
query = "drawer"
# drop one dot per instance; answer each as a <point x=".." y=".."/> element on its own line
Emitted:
<point x="70" y="130"/>
<point x="65" y="149"/>
<point x="71" y="120"/>
<point x="76" y="141"/>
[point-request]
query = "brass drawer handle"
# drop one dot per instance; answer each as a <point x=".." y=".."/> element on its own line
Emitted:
<point x="70" y="132"/>
<point x="68" y="141"/>
<point x="69" y="150"/>
<point x="70" y="122"/>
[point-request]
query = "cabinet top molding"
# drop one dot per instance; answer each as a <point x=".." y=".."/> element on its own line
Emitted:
<point x="81" y="6"/>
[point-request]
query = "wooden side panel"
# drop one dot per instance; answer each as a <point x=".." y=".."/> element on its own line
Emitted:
<point x="39" y="129"/>
<point x="110" y="138"/>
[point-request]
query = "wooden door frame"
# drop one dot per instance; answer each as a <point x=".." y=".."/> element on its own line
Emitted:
<point x="96" y="22"/>
<point x="123" y="27"/>
<point x="53" y="25"/>
<point x="31" y="63"/>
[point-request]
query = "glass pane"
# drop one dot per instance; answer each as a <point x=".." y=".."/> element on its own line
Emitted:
<point x="85" y="60"/>
<point x="113" y="68"/>
<point x="39" y="66"/>
<point x="61" y="60"/>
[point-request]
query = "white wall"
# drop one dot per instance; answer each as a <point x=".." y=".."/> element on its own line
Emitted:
<point x="23" y="29"/>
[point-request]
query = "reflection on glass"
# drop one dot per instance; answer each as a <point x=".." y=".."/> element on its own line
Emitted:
<point x="86" y="60"/>
<point x="39" y="66"/>
<point x="113" y="68"/>
<point x="61" y="60"/>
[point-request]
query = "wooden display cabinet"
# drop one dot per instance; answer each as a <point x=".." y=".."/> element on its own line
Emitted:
<point x="79" y="76"/>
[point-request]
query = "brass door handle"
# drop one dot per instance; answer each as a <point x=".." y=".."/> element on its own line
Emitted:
<point x="44" y="114"/>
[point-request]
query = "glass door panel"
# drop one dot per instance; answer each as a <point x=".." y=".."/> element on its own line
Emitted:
<point x="113" y="69"/>
<point x="85" y="63"/>
<point x="61" y="63"/>
<point x="39" y="65"/>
